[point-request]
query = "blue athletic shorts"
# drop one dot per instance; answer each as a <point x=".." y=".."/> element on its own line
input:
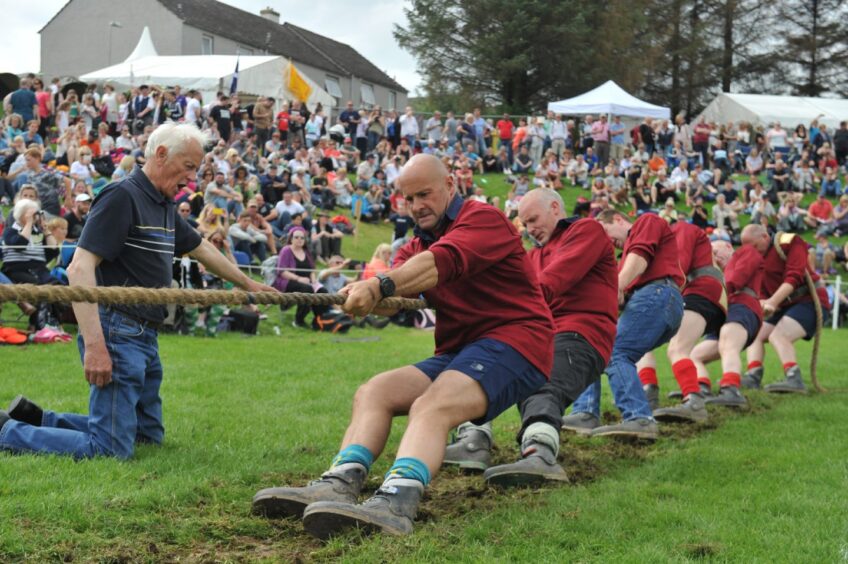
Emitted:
<point x="804" y="313"/>
<point x="741" y="314"/>
<point x="505" y="375"/>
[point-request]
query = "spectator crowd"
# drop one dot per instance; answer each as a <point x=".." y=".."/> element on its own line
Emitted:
<point x="283" y="185"/>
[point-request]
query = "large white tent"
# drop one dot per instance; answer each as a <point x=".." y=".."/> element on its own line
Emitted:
<point x="608" y="98"/>
<point x="258" y="75"/>
<point x="763" y="109"/>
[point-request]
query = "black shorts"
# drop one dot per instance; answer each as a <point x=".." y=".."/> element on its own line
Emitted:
<point x="713" y="314"/>
<point x="804" y="313"/>
<point x="741" y="314"/>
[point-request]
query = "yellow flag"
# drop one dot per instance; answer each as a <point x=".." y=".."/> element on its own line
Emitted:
<point x="299" y="88"/>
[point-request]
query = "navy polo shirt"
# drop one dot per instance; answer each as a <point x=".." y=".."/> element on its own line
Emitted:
<point x="137" y="232"/>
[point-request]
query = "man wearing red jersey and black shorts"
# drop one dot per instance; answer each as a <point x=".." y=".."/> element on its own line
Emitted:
<point x="788" y="308"/>
<point x="743" y="275"/>
<point x="494" y="347"/>
<point x="705" y="307"/>
<point x="575" y="262"/>
<point x="649" y="281"/>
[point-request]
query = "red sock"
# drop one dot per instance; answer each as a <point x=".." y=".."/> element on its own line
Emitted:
<point x="687" y="376"/>
<point x="706" y="381"/>
<point x="731" y="379"/>
<point x="788" y="365"/>
<point x="648" y="376"/>
<point x="754" y="364"/>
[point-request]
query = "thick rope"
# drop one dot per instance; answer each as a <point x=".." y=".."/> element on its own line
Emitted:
<point x="811" y="287"/>
<point x="116" y="295"/>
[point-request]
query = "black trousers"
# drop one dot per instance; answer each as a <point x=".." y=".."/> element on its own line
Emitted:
<point x="303" y="310"/>
<point x="577" y="365"/>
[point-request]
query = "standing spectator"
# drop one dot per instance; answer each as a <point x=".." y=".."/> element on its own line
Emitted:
<point x="44" y="99"/>
<point x="778" y="141"/>
<point x="23" y="102"/>
<point x="701" y="140"/>
<point x="109" y="103"/>
<point x="142" y="109"/>
<point x="193" y="108"/>
<point x="601" y="138"/>
<point x="434" y="127"/>
<point x="505" y="130"/>
<point x="646" y="135"/>
<point x="263" y="114"/>
<point x="409" y="126"/>
<point x="222" y="116"/>
<point x="51" y="186"/>
<point x="450" y="132"/>
<point x="481" y="129"/>
<point x="559" y="136"/>
<point x="682" y="133"/>
<point x="350" y="119"/>
<point x="617" y="141"/>
<point x="840" y="144"/>
<point x="536" y="134"/>
<point x="376" y="127"/>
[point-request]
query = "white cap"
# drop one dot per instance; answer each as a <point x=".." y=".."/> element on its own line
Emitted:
<point x="82" y="198"/>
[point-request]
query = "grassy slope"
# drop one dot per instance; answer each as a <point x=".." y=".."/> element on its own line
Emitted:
<point x="244" y="413"/>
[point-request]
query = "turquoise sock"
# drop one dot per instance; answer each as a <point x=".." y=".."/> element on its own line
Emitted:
<point x="354" y="453"/>
<point x="411" y="468"/>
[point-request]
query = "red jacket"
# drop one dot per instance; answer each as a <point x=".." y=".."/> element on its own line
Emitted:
<point x="776" y="271"/>
<point x="651" y="238"/>
<point x="578" y="274"/>
<point x="695" y="251"/>
<point x="487" y="287"/>
<point x="745" y="270"/>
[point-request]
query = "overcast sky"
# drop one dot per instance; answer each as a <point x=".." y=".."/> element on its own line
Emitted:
<point x="366" y="25"/>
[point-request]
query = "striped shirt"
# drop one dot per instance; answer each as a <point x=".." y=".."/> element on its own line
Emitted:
<point x="137" y="232"/>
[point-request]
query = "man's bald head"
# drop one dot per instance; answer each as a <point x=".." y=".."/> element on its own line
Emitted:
<point x="428" y="188"/>
<point x="540" y="210"/>
<point x="757" y="236"/>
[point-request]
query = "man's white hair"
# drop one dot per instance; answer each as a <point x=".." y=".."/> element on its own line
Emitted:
<point x="22" y="206"/>
<point x="174" y="137"/>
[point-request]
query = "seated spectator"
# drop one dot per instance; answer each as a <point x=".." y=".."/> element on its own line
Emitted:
<point x="361" y="208"/>
<point x="82" y="169"/>
<point x="641" y="198"/>
<point x="125" y="167"/>
<point x="840" y="217"/>
<point x="669" y="212"/>
<point x="699" y="214"/>
<point x="77" y="215"/>
<point x="524" y="162"/>
<point x="27" y="248"/>
<point x="804" y="176"/>
<point x="281" y="216"/>
<point x="211" y="219"/>
<point x="344" y="188"/>
<point x="680" y="176"/>
<point x="332" y="278"/>
<point x="762" y="210"/>
<point x="724" y="216"/>
<point x="379" y="262"/>
<point x="831" y="185"/>
<point x="578" y="172"/>
<point x="247" y="239"/>
<point x="822" y="255"/>
<point x="184" y="209"/>
<point x="754" y="163"/>
<point x="325" y="240"/>
<point x="820" y="214"/>
<point x="781" y="183"/>
<point x="31" y="135"/>
<point x="272" y="183"/>
<point x="378" y="202"/>
<point x="222" y="196"/>
<point x="295" y="274"/>
<point x="790" y="217"/>
<point x="657" y="163"/>
<point x="323" y="195"/>
<point x="731" y="196"/>
<point x="258" y="221"/>
<point x="491" y="162"/>
<point x="662" y="189"/>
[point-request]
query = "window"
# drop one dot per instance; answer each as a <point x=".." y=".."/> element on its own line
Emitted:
<point x="366" y="91"/>
<point x="207" y="45"/>
<point x="392" y="100"/>
<point x="331" y="85"/>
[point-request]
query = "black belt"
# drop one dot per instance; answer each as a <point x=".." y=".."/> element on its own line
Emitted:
<point x="667" y="281"/>
<point x="147" y="324"/>
<point x="708" y="270"/>
<point x="802" y="291"/>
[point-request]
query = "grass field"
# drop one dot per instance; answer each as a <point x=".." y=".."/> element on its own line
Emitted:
<point x="244" y="413"/>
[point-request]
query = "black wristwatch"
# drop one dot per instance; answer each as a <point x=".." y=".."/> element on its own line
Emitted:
<point x="387" y="286"/>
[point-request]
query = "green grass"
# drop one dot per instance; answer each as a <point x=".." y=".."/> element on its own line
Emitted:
<point x="245" y="413"/>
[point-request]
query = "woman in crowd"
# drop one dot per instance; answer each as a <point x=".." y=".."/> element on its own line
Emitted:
<point x="82" y="169"/>
<point x="106" y="141"/>
<point x="325" y="240"/>
<point x="295" y="273"/>
<point x="124" y="168"/>
<point x="379" y="261"/>
<point x="211" y="219"/>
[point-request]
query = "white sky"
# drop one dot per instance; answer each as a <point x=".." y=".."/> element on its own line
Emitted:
<point x="365" y="25"/>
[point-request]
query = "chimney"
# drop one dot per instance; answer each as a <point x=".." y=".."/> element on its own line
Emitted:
<point x="270" y="14"/>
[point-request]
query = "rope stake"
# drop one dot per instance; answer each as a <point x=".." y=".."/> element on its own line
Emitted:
<point x="117" y="295"/>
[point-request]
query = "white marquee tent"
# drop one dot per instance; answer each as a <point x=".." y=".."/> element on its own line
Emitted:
<point x="258" y="75"/>
<point x="762" y="109"/>
<point x="608" y="98"/>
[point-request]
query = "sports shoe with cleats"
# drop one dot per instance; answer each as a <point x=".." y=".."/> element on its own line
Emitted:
<point x="652" y="394"/>
<point x="753" y="379"/>
<point x="472" y="449"/>
<point x="25" y="411"/>
<point x="580" y="423"/>
<point x="391" y="510"/>
<point x="728" y="396"/>
<point x="341" y="484"/>
<point x="692" y="410"/>
<point x="793" y="383"/>
<point x="639" y="429"/>
<point x="537" y="466"/>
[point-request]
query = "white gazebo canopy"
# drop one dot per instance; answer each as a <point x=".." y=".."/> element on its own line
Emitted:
<point x="144" y="47"/>
<point x="258" y="75"/>
<point x="763" y="109"/>
<point x="609" y="98"/>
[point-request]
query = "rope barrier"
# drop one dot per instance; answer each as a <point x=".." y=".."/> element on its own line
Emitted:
<point x="117" y="295"/>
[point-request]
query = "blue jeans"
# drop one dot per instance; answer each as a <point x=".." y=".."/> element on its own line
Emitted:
<point x="650" y="319"/>
<point x="126" y="411"/>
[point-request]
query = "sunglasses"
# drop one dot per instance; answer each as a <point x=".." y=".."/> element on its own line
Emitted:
<point x="298" y="237"/>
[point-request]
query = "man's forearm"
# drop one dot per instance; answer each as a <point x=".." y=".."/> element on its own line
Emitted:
<point x="87" y="315"/>
<point x="783" y="291"/>
<point x="416" y="275"/>
<point x="216" y="263"/>
<point x="633" y="267"/>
